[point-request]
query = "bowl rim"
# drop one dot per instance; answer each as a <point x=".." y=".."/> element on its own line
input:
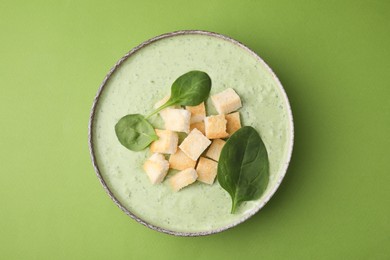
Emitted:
<point x="282" y="171"/>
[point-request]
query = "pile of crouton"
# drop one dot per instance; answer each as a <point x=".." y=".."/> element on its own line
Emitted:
<point x="190" y="157"/>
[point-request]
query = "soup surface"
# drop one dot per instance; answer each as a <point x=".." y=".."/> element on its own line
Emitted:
<point x="146" y="77"/>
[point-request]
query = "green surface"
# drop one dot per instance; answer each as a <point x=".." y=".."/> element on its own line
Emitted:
<point x="333" y="60"/>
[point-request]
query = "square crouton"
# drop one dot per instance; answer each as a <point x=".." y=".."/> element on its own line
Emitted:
<point x="176" y="119"/>
<point x="194" y="144"/>
<point x="226" y="101"/>
<point x="199" y="126"/>
<point x="215" y="127"/>
<point x="207" y="170"/>
<point x="198" y="113"/>
<point x="215" y="149"/>
<point x="233" y="122"/>
<point x="156" y="167"/>
<point x="180" y="161"/>
<point x="183" y="179"/>
<point x="166" y="143"/>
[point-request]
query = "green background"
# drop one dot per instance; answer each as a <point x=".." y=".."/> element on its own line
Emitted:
<point x="333" y="60"/>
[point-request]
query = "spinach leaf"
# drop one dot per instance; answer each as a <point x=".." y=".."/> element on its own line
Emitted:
<point x="190" y="89"/>
<point x="134" y="132"/>
<point x="243" y="167"/>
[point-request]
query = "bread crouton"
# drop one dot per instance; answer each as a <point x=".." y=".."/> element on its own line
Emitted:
<point x="207" y="170"/>
<point x="215" y="126"/>
<point x="198" y="113"/>
<point x="233" y="122"/>
<point x="176" y="119"/>
<point x="199" y="126"/>
<point x="215" y="149"/>
<point x="166" y="143"/>
<point x="156" y="167"/>
<point x="180" y="161"/>
<point x="183" y="179"/>
<point x="226" y="101"/>
<point x="194" y="144"/>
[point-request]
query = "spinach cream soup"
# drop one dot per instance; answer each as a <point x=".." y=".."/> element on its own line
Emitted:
<point x="143" y="77"/>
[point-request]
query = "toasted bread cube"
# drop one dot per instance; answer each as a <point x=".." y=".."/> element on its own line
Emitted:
<point x="215" y="126"/>
<point x="198" y="113"/>
<point x="233" y="122"/>
<point x="226" y="101"/>
<point x="156" y="167"/>
<point x="166" y="143"/>
<point x="183" y="179"/>
<point x="215" y="149"/>
<point x="194" y="144"/>
<point x="176" y="119"/>
<point x="180" y="161"/>
<point x="199" y="126"/>
<point x="207" y="170"/>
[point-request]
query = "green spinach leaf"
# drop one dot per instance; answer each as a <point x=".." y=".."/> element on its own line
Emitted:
<point x="190" y="89"/>
<point x="243" y="167"/>
<point x="135" y="132"/>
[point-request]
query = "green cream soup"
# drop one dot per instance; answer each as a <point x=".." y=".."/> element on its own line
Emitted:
<point x="146" y="77"/>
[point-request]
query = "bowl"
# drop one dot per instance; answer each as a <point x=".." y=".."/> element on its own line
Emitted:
<point x="141" y="78"/>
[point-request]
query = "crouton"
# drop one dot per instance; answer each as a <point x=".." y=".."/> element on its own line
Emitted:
<point x="176" y="119"/>
<point x="156" y="167"/>
<point x="215" y="149"/>
<point x="194" y="144"/>
<point x="199" y="126"/>
<point x="198" y="113"/>
<point x="215" y="126"/>
<point x="226" y="101"/>
<point x="183" y="179"/>
<point x="233" y="122"/>
<point x="180" y="161"/>
<point x="207" y="170"/>
<point x="167" y="142"/>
